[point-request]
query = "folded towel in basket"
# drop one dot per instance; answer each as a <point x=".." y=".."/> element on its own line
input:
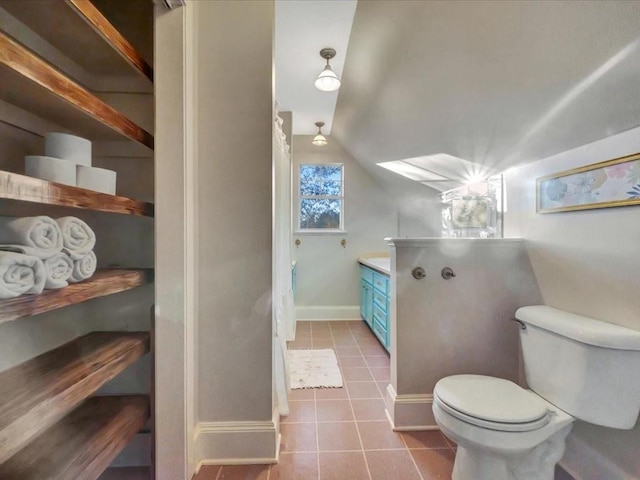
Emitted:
<point x="34" y="236"/>
<point x="20" y="274"/>
<point x="77" y="237"/>
<point x="59" y="268"/>
<point x="84" y="268"/>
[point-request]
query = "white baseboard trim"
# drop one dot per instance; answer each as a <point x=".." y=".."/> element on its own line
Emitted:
<point x="340" y="312"/>
<point x="583" y="462"/>
<point x="410" y="412"/>
<point x="237" y="443"/>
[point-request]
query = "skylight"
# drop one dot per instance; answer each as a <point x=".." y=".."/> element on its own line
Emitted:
<point x="440" y="171"/>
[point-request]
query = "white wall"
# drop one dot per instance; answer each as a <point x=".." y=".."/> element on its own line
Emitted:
<point x="462" y="325"/>
<point x="233" y="55"/>
<point x="586" y="262"/>
<point x="328" y="276"/>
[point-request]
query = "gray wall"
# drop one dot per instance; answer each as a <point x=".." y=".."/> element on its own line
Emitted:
<point x="328" y="273"/>
<point x="234" y="115"/>
<point x="585" y="262"/>
<point x="462" y="325"/>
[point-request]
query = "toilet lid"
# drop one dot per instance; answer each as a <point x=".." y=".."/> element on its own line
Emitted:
<point x="491" y="402"/>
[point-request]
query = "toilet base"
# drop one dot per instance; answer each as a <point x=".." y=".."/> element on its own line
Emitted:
<point x="537" y="464"/>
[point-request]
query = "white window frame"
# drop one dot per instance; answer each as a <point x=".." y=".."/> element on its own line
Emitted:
<point x="299" y="230"/>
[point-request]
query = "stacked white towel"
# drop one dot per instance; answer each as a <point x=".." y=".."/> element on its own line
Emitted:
<point x="59" y="270"/>
<point x="60" y="251"/>
<point x="78" y="241"/>
<point x="20" y="274"/>
<point x="36" y="236"/>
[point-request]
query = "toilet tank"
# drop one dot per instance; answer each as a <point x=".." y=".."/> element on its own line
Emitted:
<point x="586" y="367"/>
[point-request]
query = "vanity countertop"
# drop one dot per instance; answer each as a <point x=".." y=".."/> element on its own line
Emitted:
<point x="380" y="264"/>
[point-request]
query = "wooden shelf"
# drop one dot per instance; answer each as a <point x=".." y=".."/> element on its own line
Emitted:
<point x="104" y="50"/>
<point x="39" y="392"/>
<point x="28" y="189"/>
<point x="32" y="84"/>
<point x="127" y="473"/>
<point x="83" y="444"/>
<point x="105" y="282"/>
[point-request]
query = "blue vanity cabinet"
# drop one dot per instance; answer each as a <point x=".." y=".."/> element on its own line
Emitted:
<point x="366" y="295"/>
<point x="374" y="303"/>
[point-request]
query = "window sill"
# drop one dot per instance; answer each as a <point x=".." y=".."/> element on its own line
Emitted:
<point x="320" y="232"/>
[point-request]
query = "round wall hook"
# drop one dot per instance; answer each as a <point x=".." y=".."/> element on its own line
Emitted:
<point x="447" y="273"/>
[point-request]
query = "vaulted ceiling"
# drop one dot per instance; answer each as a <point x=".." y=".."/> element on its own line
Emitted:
<point x="494" y="83"/>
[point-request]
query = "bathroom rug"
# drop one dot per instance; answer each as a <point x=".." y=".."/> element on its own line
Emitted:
<point x="314" y="369"/>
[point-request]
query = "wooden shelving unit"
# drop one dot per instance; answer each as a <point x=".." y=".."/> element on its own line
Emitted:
<point x="105" y="50"/>
<point x="50" y="424"/>
<point x="33" y="85"/>
<point x="83" y="444"/>
<point x="105" y="282"/>
<point x="39" y="392"/>
<point x="28" y="189"/>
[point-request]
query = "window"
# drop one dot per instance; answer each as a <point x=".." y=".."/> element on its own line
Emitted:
<point x="320" y="197"/>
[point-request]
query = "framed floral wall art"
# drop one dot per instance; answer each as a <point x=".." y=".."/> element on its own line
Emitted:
<point x="614" y="183"/>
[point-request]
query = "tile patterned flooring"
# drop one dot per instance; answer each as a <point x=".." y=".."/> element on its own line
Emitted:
<point x="344" y="434"/>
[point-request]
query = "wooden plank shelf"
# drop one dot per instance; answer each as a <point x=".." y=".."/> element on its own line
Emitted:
<point x="32" y="84"/>
<point x="83" y="444"/>
<point x="126" y="473"/>
<point x="105" y="282"/>
<point x="28" y="189"/>
<point x="39" y="392"/>
<point x="105" y="51"/>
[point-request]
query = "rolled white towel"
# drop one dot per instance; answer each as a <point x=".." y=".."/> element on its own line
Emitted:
<point x="77" y="237"/>
<point x="84" y="268"/>
<point x="20" y="274"/>
<point x="59" y="268"/>
<point x="34" y="236"/>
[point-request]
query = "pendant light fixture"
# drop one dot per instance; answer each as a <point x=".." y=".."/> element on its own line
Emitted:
<point x="327" y="80"/>
<point x="319" y="140"/>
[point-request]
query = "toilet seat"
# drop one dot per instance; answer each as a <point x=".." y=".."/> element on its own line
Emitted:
<point x="491" y="403"/>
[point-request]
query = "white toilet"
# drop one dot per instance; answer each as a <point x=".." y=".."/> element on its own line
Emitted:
<point x="576" y="367"/>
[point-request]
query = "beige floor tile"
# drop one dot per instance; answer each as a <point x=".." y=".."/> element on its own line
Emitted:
<point x="244" y="472"/>
<point x="343" y="466"/>
<point x="379" y="435"/>
<point x="301" y="411"/>
<point x="381" y="373"/>
<point x="338" y="436"/>
<point x="377" y="361"/>
<point x="208" y="472"/>
<point x="363" y="390"/>
<point x="331" y="394"/>
<point x="298" y="437"/>
<point x="425" y="439"/>
<point x="299" y="466"/>
<point x="357" y="374"/>
<point x="302" y="394"/>
<point x="396" y="464"/>
<point x="346" y="362"/>
<point x="434" y="464"/>
<point x="334" y="411"/>
<point x="369" y="409"/>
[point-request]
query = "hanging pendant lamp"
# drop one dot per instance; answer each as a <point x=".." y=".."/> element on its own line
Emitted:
<point x="320" y="140"/>
<point x="327" y="80"/>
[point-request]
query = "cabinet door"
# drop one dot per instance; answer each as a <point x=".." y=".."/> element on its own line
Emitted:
<point x="366" y="301"/>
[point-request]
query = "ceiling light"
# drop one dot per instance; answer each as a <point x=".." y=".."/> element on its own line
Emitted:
<point x="327" y="80"/>
<point x="319" y="139"/>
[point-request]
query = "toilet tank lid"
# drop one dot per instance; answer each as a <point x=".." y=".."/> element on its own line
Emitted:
<point x="581" y="329"/>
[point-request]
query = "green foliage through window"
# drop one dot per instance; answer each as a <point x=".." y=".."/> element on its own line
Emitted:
<point x="321" y="197"/>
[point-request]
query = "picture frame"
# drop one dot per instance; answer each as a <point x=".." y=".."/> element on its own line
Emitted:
<point x="612" y="183"/>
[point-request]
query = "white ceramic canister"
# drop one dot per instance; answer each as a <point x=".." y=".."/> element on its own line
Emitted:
<point x="68" y="147"/>
<point x="96" y="179"/>
<point x="51" y="169"/>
